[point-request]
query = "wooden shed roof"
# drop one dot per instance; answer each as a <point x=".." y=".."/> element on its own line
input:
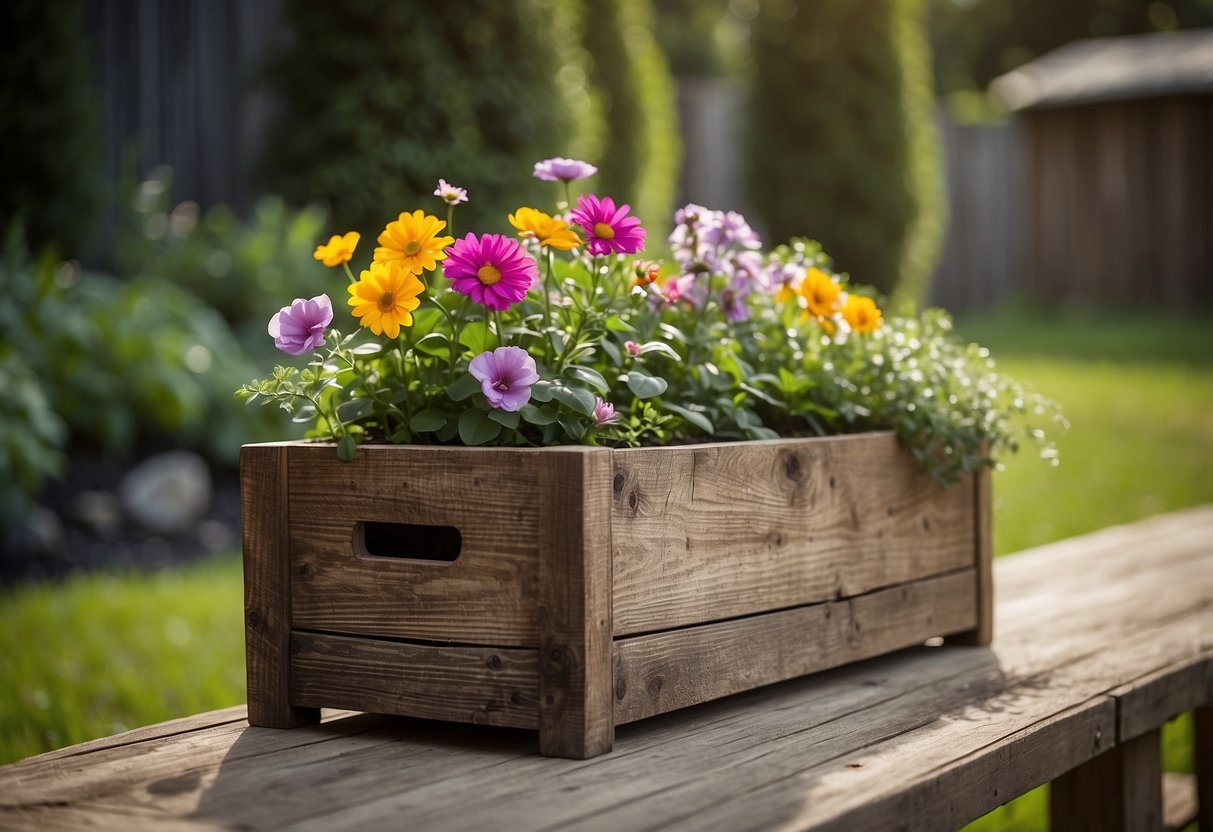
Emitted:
<point x="1112" y="69"/>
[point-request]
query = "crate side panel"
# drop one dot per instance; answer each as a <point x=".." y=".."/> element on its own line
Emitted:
<point x="703" y="533"/>
<point x="486" y="596"/>
<point x="664" y="671"/>
<point x="484" y="685"/>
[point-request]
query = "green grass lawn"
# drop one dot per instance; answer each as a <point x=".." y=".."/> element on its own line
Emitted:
<point x="98" y="654"/>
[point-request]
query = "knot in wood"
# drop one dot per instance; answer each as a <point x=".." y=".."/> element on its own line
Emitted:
<point x="793" y="468"/>
<point x="618" y="482"/>
<point x="254" y="619"/>
<point x="494" y="662"/>
<point x="655" y="685"/>
<point x="307" y="571"/>
<point x="621" y="688"/>
<point x="556" y="656"/>
<point x="633" y="501"/>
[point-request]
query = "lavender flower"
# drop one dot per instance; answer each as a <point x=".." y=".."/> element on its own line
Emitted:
<point x="299" y="328"/>
<point x="505" y="375"/>
<point x="604" y="412"/>
<point x="563" y="170"/>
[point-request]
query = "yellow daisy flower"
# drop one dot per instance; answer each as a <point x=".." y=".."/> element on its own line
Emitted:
<point x="861" y="314"/>
<point x="412" y="242"/>
<point x="549" y="231"/>
<point x="384" y="298"/>
<point x="820" y="293"/>
<point x="340" y="249"/>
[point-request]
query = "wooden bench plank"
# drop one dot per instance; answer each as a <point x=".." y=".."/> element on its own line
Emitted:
<point x="930" y="736"/>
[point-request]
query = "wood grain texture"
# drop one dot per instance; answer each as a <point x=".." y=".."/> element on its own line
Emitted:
<point x="265" y="517"/>
<point x="1148" y="702"/>
<point x="486" y="596"/>
<point x="663" y="671"/>
<point x="574" y="609"/>
<point x="983" y="633"/>
<point x="703" y="533"/>
<point x="1118" y="791"/>
<point x="483" y="685"/>
<point x="1179" y="808"/>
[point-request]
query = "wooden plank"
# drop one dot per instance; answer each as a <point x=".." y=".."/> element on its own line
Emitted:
<point x="1146" y="703"/>
<point x="790" y="522"/>
<point x="1203" y="720"/>
<point x="983" y="633"/>
<point x="1121" y="789"/>
<point x="265" y="515"/>
<point x="1179" y="808"/>
<point x="483" y="685"/>
<point x="664" y="671"/>
<point x="486" y="596"/>
<point x="574" y="608"/>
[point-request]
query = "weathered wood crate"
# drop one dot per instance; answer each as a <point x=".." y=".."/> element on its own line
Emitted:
<point x="573" y="589"/>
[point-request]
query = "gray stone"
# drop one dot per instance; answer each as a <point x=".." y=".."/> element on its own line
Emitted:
<point x="99" y="512"/>
<point x="167" y="493"/>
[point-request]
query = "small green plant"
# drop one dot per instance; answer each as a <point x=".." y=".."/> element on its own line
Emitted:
<point x="562" y="336"/>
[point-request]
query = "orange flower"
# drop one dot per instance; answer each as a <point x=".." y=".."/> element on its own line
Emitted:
<point x="861" y="314"/>
<point x="340" y="249"/>
<point x="821" y="294"/>
<point x="413" y="242"/>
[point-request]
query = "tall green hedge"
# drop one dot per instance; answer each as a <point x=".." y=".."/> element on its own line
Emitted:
<point x="49" y="139"/>
<point x="843" y="142"/>
<point x="631" y="76"/>
<point x="377" y="99"/>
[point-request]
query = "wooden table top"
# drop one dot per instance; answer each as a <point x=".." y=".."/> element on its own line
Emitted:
<point x="1094" y="637"/>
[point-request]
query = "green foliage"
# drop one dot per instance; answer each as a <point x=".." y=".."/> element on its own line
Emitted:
<point x="233" y="266"/>
<point x="91" y="360"/>
<point x="48" y="119"/>
<point x="379" y="99"/>
<point x="701" y="37"/>
<point x="629" y="71"/>
<point x="842" y="138"/>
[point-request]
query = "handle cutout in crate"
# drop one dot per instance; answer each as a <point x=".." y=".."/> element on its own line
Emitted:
<point x="407" y="541"/>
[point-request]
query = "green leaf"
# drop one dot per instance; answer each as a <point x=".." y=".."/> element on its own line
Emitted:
<point x="475" y="336"/>
<point x="436" y="344"/>
<point x="476" y="428"/>
<point x="618" y="324"/>
<point x="353" y="410"/>
<point x="576" y="398"/>
<point x="758" y="394"/>
<point x="699" y="420"/>
<point x="449" y="430"/>
<point x="306" y="414"/>
<point x="645" y="386"/>
<point x="589" y="375"/>
<point x="369" y="348"/>
<point x="427" y="421"/>
<point x="574" y="429"/>
<point x="505" y="418"/>
<point x="541" y="391"/>
<point x="660" y="347"/>
<point x="539" y="416"/>
<point x="424" y="321"/>
<point x="462" y="387"/>
<point x="346" y="447"/>
<point x="612" y="349"/>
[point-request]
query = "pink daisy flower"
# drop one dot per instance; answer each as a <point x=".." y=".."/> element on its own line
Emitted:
<point x="563" y="170"/>
<point x="493" y="270"/>
<point x="505" y="375"/>
<point x="604" y="412"/>
<point x="608" y="229"/>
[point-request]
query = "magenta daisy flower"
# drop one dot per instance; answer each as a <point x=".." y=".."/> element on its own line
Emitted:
<point x="608" y="229"/>
<point x="563" y="170"/>
<point x="505" y="375"/>
<point x="299" y="328"/>
<point x="492" y="269"/>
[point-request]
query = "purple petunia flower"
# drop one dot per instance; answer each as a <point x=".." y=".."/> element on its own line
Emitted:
<point x="449" y="193"/>
<point x="299" y="328"/>
<point x="505" y="375"/>
<point x="563" y="170"/>
<point x="604" y="412"/>
<point x="492" y="269"/>
<point x="608" y="229"/>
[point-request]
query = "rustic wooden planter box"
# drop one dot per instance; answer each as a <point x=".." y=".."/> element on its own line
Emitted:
<point x="590" y="587"/>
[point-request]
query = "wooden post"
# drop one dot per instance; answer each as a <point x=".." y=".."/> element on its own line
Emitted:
<point x="1203" y="717"/>
<point x="267" y="588"/>
<point x="983" y="633"/>
<point x="1121" y="789"/>
<point x="576" y="681"/>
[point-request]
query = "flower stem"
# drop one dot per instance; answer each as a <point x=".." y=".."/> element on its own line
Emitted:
<point x="450" y="218"/>
<point x="349" y="273"/>
<point x="547" y="305"/>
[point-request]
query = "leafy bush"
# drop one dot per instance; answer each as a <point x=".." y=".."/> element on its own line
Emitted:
<point x="48" y="119"/>
<point x="842" y="139"/>
<point x="381" y="98"/>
